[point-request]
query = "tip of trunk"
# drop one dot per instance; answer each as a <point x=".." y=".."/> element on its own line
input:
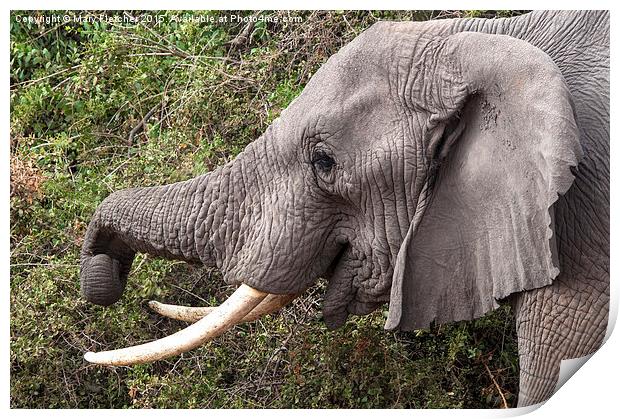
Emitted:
<point x="102" y="279"/>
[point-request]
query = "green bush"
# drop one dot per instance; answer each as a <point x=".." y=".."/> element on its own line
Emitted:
<point x="80" y="92"/>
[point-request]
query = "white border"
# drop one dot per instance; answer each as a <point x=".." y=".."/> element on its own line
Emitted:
<point x="592" y="391"/>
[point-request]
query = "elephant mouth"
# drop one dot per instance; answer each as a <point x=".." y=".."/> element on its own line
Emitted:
<point x="245" y="305"/>
<point x="336" y="261"/>
<point x="354" y="287"/>
<point x="340" y="291"/>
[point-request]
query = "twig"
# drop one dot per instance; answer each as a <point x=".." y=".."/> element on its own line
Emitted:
<point x="245" y="35"/>
<point x="349" y="25"/>
<point x="190" y="293"/>
<point x="124" y="162"/>
<point x="201" y="58"/>
<point x="50" y="265"/>
<point x="140" y="127"/>
<point x="29" y="82"/>
<point x="171" y="48"/>
<point x="499" y="390"/>
<point x="137" y="268"/>
<point x="61" y="83"/>
<point x="276" y="352"/>
<point x="120" y="108"/>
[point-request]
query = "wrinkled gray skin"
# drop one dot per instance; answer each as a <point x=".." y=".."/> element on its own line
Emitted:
<point x="421" y="165"/>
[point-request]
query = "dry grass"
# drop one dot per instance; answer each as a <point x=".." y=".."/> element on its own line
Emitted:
<point x="26" y="179"/>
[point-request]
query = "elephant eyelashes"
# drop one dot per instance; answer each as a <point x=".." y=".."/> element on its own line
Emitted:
<point x="322" y="161"/>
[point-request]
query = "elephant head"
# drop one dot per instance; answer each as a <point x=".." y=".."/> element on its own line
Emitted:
<point x="416" y="167"/>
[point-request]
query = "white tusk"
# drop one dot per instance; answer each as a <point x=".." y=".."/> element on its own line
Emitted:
<point x="240" y="303"/>
<point x="183" y="313"/>
<point x="270" y="304"/>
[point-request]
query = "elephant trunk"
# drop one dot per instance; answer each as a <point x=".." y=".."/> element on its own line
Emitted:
<point x="161" y="221"/>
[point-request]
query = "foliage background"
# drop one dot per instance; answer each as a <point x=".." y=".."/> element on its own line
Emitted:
<point x="97" y="107"/>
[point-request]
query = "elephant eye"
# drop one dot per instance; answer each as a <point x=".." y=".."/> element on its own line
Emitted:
<point x="323" y="161"/>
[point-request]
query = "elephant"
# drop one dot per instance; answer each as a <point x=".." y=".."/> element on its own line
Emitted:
<point x="442" y="167"/>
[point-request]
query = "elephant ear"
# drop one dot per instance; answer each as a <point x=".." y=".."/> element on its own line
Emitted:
<point x="503" y="139"/>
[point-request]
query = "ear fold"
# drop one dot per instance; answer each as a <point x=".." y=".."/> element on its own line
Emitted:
<point x="486" y="230"/>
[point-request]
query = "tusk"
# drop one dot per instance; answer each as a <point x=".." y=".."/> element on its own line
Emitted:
<point x="240" y="303"/>
<point x="183" y="313"/>
<point x="270" y="304"/>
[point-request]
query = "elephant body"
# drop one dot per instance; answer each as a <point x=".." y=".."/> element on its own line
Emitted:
<point x="440" y="166"/>
<point x="578" y="299"/>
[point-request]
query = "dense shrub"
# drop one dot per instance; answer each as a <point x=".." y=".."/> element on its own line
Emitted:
<point x="102" y="104"/>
